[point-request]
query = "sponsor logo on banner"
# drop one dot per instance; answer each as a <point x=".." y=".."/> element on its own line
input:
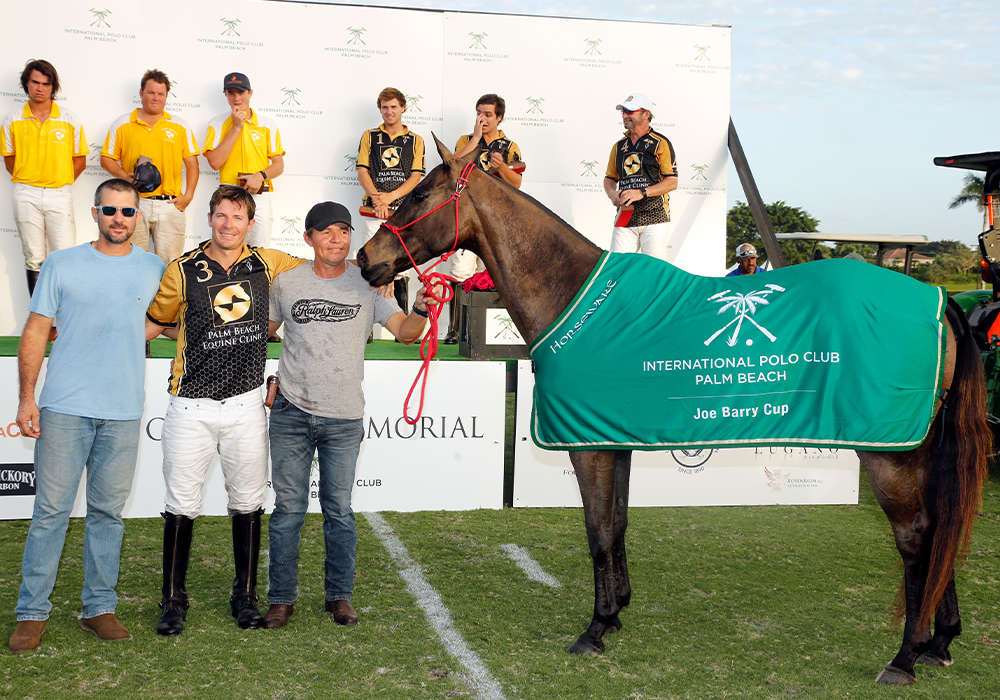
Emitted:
<point x="592" y="52"/>
<point x="691" y="461"/>
<point x="348" y="175"/>
<point x="703" y="60"/>
<point x="699" y="182"/>
<point x="17" y="479"/>
<point x="95" y="24"/>
<point x="797" y="454"/>
<point x="530" y="111"/>
<point x="589" y="177"/>
<point x="415" y="114"/>
<point x="230" y="35"/>
<point x="174" y="101"/>
<point x="10" y="430"/>
<point x="428" y="428"/>
<point x="292" y="104"/>
<point x="476" y="48"/>
<point x="779" y="480"/>
<point x="354" y="43"/>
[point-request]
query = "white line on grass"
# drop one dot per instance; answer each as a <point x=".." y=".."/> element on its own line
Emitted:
<point x="532" y="569"/>
<point x="482" y="682"/>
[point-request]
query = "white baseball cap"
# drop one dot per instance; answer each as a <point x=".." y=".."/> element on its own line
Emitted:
<point x="636" y="101"/>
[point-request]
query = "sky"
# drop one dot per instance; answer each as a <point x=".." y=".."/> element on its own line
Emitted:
<point x="840" y="107"/>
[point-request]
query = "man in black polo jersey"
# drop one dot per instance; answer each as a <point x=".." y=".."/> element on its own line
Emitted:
<point x="216" y="299"/>
<point x="390" y="164"/>
<point x="642" y="170"/>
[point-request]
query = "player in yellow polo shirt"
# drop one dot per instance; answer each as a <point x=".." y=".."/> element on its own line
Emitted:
<point x="44" y="150"/>
<point x="245" y="147"/>
<point x="169" y="143"/>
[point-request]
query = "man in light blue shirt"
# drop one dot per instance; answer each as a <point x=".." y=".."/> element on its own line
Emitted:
<point x="89" y="409"/>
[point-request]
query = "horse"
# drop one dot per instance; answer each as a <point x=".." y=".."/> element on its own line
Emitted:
<point x="538" y="262"/>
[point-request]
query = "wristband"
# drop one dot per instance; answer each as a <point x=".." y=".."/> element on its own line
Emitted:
<point x="262" y="174"/>
<point x="420" y="312"/>
<point x="644" y="195"/>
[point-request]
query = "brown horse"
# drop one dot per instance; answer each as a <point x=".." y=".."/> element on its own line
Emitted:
<point x="538" y="263"/>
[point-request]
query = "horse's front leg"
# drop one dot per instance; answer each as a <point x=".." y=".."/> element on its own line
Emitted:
<point x="595" y="474"/>
<point x="623" y="588"/>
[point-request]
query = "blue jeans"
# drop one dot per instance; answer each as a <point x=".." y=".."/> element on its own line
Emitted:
<point x="67" y="444"/>
<point x="295" y="436"/>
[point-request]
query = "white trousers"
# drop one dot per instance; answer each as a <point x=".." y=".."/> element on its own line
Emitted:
<point x="195" y="431"/>
<point x="655" y="240"/>
<point x="44" y="218"/>
<point x="260" y="234"/>
<point x="165" y="224"/>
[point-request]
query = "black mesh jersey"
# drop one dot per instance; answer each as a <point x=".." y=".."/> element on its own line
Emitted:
<point x="508" y="150"/>
<point x="221" y="319"/>
<point x="390" y="161"/>
<point x="643" y="164"/>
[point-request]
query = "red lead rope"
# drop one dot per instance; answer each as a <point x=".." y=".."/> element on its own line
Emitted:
<point x="429" y="344"/>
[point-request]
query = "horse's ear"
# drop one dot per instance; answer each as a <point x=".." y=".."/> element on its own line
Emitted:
<point x="447" y="157"/>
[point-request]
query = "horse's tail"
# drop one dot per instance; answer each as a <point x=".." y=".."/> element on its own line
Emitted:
<point x="959" y="457"/>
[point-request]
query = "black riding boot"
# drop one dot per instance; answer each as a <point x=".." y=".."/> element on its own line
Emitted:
<point x="32" y="276"/>
<point x="176" y="554"/>
<point x="246" y="551"/>
<point x="452" y="337"/>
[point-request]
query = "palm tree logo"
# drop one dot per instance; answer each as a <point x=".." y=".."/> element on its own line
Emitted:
<point x="699" y="172"/>
<point x="94" y="153"/>
<point x="230" y="26"/>
<point x="99" y="17"/>
<point x="702" y="54"/>
<point x="478" y="40"/>
<point x="592" y="49"/>
<point x="743" y="306"/>
<point x="588" y="168"/>
<point x="536" y="104"/>
<point x="414" y="101"/>
<point x="508" y="331"/>
<point x="352" y="161"/>
<point x="291" y="224"/>
<point x="356" y="37"/>
<point x="291" y="96"/>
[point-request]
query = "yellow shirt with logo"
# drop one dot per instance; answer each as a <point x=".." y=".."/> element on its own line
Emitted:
<point x="43" y="151"/>
<point x="258" y="142"/>
<point x="167" y="143"/>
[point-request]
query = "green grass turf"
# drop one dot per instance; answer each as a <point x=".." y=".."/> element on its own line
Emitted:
<point x="727" y="602"/>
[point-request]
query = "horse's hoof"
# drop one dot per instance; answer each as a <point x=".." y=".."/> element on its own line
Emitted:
<point x="891" y="675"/>
<point x="931" y="659"/>
<point x="585" y="645"/>
<point x="614" y="624"/>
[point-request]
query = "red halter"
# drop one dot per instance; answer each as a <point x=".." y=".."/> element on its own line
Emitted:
<point x="429" y="344"/>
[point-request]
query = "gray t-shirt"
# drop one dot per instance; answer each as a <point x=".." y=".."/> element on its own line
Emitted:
<point x="327" y="322"/>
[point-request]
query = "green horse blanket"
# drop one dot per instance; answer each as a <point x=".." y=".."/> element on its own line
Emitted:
<point x="832" y="353"/>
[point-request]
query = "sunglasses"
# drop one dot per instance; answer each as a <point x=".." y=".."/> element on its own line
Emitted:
<point x="127" y="212"/>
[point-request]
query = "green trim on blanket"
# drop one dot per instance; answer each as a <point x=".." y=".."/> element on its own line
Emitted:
<point x="646" y="356"/>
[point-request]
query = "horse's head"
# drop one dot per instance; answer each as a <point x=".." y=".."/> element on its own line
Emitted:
<point x="383" y="257"/>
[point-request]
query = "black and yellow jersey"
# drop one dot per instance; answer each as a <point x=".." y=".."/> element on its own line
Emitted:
<point x="221" y="319"/>
<point x="390" y="161"/>
<point x="643" y="164"/>
<point x="508" y="150"/>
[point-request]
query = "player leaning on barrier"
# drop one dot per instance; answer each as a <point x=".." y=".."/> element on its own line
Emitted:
<point x="390" y="164"/>
<point x="152" y="148"/>
<point x="245" y="147"/>
<point x="88" y="413"/>
<point x="642" y="171"/>
<point x="328" y="311"/>
<point x="216" y="298"/>
<point x="44" y="149"/>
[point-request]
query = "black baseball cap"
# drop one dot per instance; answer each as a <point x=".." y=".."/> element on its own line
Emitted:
<point x="324" y="214"/>
<point x="235" y="80"/>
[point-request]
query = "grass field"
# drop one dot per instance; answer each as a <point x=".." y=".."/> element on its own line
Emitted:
<point x="728" y="602"/>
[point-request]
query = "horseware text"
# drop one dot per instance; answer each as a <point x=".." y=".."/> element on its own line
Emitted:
<point x="568" y="335"/>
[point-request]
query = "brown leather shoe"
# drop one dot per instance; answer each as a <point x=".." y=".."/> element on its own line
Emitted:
<point x="27" y="635"/>
<point x="106" y="627"/>
<point x="342" y="611"/>
<point x="277" y="615"/>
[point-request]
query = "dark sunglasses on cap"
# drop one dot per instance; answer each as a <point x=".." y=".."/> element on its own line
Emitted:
<point x="127" y="212"/>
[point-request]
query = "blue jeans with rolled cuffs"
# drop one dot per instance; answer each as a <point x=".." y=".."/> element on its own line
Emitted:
<point x="295" y="436"/>
<point x="67" y="444"/>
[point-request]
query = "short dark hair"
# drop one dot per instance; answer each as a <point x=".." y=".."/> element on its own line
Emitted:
<point x="157" y="76"/>
<point x="234" y="194"/>
<point x="390" y="93"/>
<point x="115" y="184"/>
<point x="499" y="106"/>
<point x="43" y="67"/>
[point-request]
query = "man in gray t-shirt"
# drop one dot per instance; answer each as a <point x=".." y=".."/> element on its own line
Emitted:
<point x="328" y="311"/>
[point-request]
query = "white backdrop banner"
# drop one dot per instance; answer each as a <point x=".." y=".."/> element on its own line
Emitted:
<point x="740" y="476"/>
<point x="317" y="69"/>
<point x="452" y="460"/>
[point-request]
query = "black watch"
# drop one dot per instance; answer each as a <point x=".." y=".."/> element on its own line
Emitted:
<point x="644" y="195"/>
